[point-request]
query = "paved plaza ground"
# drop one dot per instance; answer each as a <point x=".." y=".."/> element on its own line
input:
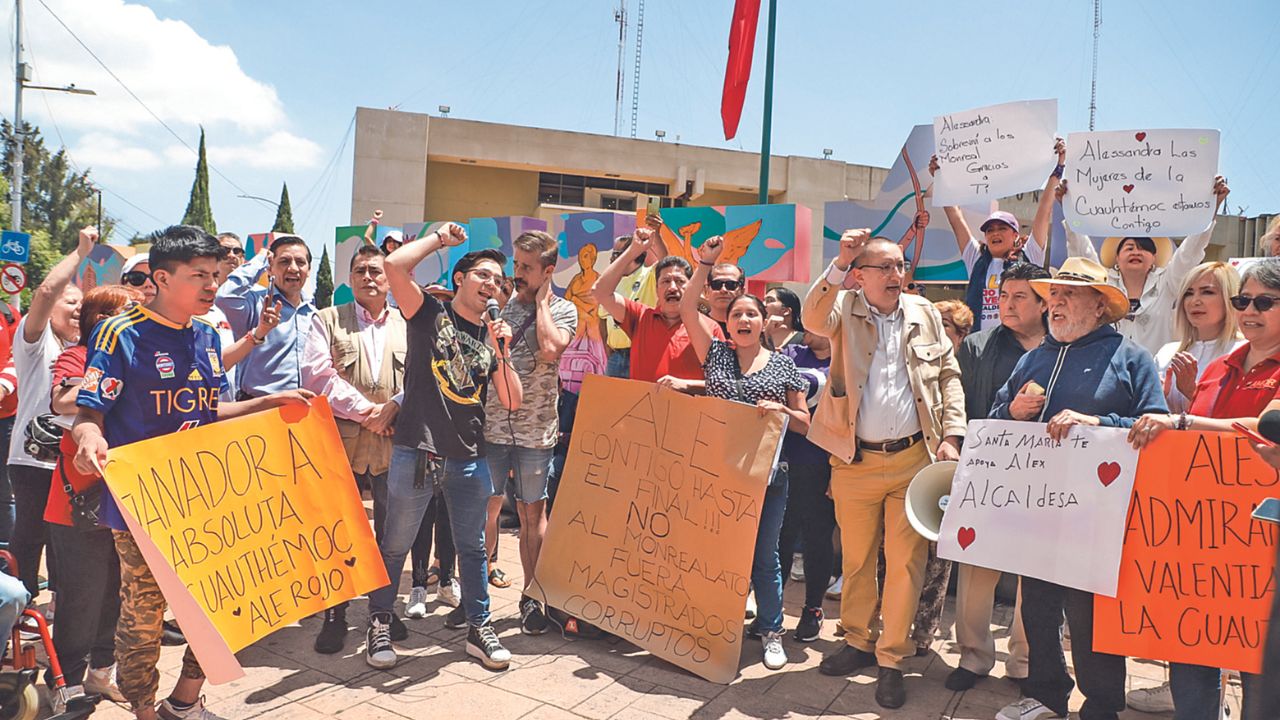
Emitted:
<point x="552" y="677"/>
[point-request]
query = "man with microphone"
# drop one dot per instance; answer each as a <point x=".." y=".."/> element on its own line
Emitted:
<point x="455" y="351"/>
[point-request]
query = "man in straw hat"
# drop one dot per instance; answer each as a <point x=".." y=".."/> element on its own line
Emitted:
<point x="1085" y="373"/>
<point x="1149" y="271"/>
<point x="893" y="405"/>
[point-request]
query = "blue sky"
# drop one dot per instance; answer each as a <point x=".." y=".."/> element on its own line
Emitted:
<point x="276" y="83"/>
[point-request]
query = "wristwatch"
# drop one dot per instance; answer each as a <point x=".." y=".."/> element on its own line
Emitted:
<point x="254" y="338"/>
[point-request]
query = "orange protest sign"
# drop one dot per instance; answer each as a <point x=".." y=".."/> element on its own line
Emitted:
<point x="655" y="520"/>
<point x="259" y="518"/>
<point x="1196" y="578"/>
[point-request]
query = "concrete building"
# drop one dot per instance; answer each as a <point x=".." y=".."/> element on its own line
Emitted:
<point x="415" y="167"/>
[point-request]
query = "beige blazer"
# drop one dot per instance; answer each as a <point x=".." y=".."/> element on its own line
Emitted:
<point x="843" y="316"/>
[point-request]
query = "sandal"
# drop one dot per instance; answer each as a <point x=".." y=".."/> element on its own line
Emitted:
<point x="433" y="575"/>
<point x="498" y="579"/>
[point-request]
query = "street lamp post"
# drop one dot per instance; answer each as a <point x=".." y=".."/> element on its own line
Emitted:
<point x="22" y="75"/>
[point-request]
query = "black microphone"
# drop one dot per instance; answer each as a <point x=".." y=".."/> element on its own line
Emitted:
<point x="491" y="314"/>
<point x="1269" y="426"/>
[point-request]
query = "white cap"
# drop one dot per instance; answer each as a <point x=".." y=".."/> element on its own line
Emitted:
<point x="135" y="261"/>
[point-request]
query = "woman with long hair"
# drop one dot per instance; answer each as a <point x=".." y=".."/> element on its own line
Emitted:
<point x="743" y="369"/>
<point x="783" y="325"/>
<point x="1206" y="328"/>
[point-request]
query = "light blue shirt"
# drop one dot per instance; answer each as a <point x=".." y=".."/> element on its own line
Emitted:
<point x="276" y="364"/>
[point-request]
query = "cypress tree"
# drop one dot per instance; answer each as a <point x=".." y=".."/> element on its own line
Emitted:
<point x="284" y="213"/>
<point x="199" y="211"/>
<point x="324" y="282"/>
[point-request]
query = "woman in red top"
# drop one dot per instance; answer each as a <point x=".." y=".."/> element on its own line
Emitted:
<point x="1236" y="387"/>
<point x="89" y="592"/>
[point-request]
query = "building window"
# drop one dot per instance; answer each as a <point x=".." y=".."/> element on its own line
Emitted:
<point x="561" y="189"/>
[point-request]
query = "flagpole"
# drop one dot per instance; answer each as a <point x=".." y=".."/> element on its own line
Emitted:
<point x="768" y="106"/>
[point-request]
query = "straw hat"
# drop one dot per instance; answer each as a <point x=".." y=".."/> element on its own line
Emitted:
<point x="1082" y="272"/>
<point x="1164" y="250"/>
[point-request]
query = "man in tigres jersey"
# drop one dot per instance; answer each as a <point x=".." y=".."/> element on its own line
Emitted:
<point x="152" y="371"/>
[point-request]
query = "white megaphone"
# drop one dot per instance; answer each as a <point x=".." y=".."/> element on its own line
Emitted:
<point x="927" y="497"/>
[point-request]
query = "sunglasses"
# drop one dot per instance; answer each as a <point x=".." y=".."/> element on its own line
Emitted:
<point x="237" y="251"/>
<point x="136" y="278"/>
<point x="1262" y="302"/>
<point x="730" y="285"/>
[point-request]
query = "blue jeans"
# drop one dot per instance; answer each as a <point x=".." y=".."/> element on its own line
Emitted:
<point x="1197" y="691"/>
<point x="532" y="467"/>
<point x="766" y="567"/>
<point x="619" y="364"/>
<point x="467" y="488"/>
<point x="13" y="599"/>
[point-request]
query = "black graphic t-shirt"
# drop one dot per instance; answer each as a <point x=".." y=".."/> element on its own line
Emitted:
<point x="447" y="369"/>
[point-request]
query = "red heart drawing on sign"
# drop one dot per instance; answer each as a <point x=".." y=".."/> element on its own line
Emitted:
<point x="1108" y="472"/>
<point x="966" y="536"/>
<point x="1128" y="188"/>
<point x="1140" y="136"/>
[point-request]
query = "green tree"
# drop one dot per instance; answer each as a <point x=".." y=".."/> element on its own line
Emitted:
<point x="324" y="281"/>
<point x="284" y="213"/>
<point x="199" y="210"/>
<point x="55" y="198"/>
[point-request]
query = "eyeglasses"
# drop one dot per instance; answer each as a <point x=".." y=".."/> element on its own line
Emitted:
<point x="136" y="278"/>
<point x="485" y="276"/>
<point x="1262" y="302"/>
<point x="730" y="285"/>
<point x="902" y="268"/>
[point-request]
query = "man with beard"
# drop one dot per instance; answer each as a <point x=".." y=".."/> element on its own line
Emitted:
<point x="275" y="363"/>
<point x="1085" y="373"/>
<point x="660" y="349"/>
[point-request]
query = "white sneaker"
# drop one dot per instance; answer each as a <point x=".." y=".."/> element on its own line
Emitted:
<point x="59" y="698"/>
<point x="165" y="711"/>
<point x="837" y="587"/>
<point x="1026" y="709"/>
<point x="101" y="681"/>
<point x="450" y="593"/>
<point x="797" y="568"/>
<point x="417" y="607"/>
<point x="1158" y="699"/>
<point x="774" y="656"/>
<point x="751" y="606"/>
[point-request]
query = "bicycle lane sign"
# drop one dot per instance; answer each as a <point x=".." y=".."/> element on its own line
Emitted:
<point x="15" y="247"/>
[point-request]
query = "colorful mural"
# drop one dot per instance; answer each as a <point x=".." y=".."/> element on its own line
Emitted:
<point x="769" y="242"/>
<point x="103" y="266"/>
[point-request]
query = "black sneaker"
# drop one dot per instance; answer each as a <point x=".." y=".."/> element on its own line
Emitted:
<point x="483" y="644"/>
<point x="378" y="652"/>
<point x="752" y="630"/>
<point x="172" y="635"/>
<point x="810" y="625"/>
<point x="533" y="621"/>
<point x="333" y="633"/>
<point x="456" y="619"/>
<point x="399" y="633"/>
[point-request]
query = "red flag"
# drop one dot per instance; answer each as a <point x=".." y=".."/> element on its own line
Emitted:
<point x="742" y="42"/>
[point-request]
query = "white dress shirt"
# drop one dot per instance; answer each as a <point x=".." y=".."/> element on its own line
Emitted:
<point x="887" y="410"/>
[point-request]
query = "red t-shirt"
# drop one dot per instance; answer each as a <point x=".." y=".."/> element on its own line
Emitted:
<point x="1225" y="390"/>
<point x="69" y="367"/>
<point x="659" y="349"/>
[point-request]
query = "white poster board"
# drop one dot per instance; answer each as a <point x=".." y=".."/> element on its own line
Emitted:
<point x="1140" y="182"/>
<point x="992" y="152"/>
<point x="1026" y="504"/>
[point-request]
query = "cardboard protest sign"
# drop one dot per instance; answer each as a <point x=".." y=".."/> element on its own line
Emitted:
<point x="1141" y="182"/>
<point x="1024" y="503"/>
<point x="656" y="519"/>
<point x="991" y="152"/>
<point x="257" y="519"/>
<point x="1196" y="579"/>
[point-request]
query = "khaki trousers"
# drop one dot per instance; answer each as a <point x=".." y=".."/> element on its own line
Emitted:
<point x="975" y="599"/>
<point x="869" y="498"/>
